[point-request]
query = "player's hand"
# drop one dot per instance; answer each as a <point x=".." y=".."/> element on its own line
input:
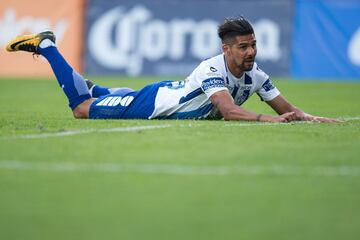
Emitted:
<point x="311" y="118"/>
<point x="325" y="120"/>
<point x="286" y="117"/>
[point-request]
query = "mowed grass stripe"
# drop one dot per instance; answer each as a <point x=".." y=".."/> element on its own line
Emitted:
<point x="150" y="127"/>
<point x="248" y="170"/>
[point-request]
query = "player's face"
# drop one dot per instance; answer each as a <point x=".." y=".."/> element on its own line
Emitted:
<point x="241" y="52"/>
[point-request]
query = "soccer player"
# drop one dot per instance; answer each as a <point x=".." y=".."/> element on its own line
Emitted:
<point x="215" y="89"/>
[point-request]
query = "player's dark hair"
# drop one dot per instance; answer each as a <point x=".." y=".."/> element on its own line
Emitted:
<point x="233" y="27"/>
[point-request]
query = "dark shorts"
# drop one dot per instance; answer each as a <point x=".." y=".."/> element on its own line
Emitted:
<point x="126" y="104"/>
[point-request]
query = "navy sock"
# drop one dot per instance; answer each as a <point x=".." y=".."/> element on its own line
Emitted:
<point x="72" y="83"/>
<point x="98" y="91"/>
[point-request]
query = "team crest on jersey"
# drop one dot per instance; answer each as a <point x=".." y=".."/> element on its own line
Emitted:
<point x="239" y="101"/>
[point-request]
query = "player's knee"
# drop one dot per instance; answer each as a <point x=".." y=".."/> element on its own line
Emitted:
<point x="79" y="113"/>
<point x="82" y="110"/>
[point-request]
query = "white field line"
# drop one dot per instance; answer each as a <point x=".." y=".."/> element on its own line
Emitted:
<point x="250" y="170"/>
<point x="85" y="131"/>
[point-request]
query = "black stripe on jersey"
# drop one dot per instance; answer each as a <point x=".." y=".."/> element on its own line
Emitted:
<point x="191" y="95"/>
<point x="234" y="92"/>
<point x="248" y="79"/>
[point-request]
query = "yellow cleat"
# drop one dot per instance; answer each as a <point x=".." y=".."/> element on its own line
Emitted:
<point x="29" y="43"/>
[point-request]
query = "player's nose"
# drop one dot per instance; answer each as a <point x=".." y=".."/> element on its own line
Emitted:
<point x="251" y="52"/>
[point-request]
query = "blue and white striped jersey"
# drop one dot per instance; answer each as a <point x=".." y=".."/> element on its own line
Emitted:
<point x="191" y="98"/>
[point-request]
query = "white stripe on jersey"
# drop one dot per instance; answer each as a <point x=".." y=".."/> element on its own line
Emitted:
<point x="170" y="100"/>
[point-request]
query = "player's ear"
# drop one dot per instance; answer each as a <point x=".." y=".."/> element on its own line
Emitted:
<point x="226" y="49"/>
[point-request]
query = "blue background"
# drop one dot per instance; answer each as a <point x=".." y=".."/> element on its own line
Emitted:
<point x="322" y="32"/>
<point x="314" y="35"/>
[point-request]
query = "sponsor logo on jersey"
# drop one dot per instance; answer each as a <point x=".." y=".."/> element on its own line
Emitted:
<point x="213" y="74"/>
<point x="176" y="85"/>
<point x="212" y="83"/>
<point x="116" y="101"/>
<point x="213" y="69"/>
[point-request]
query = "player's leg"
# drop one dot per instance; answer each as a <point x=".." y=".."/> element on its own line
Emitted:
<point x="97" y="91"/>
<point x="72" y="83"/>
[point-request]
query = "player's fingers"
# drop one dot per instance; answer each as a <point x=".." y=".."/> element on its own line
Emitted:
<point x="327" y="120"/>
<point x="283" y="120"/>
<point x="290" y="116"/>
<point x="308" y="118"/>
<point x="334" y="120"/>
<point x="279" y="119"/>
<point x="337" y="120"/>
<point x="315" y="120"/>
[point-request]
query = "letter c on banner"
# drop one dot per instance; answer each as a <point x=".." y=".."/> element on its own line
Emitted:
<point x="354" y="48"/>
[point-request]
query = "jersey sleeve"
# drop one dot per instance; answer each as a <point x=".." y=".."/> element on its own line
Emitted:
<point x="266" y="88"/>
<point x="210" y="80"/>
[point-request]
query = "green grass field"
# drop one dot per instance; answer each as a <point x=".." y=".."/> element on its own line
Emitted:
<point x="183" y="180"/>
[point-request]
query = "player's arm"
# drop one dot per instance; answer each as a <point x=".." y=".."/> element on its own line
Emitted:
<point x="282" y="106"/>
<point x="223" y="101"/>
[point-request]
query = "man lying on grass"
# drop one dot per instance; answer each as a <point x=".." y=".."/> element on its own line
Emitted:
<point x="215" y="89"/>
